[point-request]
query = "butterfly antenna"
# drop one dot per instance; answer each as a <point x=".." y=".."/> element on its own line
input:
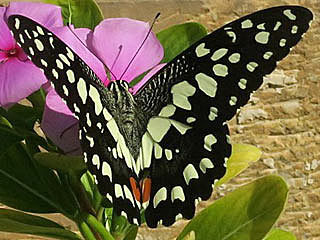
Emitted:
<point x="114" y="62"/>
<point x="105" y="66"/>
<point x="154" y="20"/>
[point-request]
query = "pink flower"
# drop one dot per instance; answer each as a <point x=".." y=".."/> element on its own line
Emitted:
<point x="115" y="42"/>
<point x="18" y="76"/>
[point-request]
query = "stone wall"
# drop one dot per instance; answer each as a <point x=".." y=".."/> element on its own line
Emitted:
<point x="282" y="118"/>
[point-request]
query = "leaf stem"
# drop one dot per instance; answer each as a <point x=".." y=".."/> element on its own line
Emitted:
<point x="86" y="231"/>
<point x="97" y="226"/>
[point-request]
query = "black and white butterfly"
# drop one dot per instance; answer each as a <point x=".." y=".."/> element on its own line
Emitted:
<point x="163" y="148"/>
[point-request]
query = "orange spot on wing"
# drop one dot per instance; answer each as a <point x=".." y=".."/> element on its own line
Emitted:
<point x="146" y="189"/>
<point x="135" y="189"/>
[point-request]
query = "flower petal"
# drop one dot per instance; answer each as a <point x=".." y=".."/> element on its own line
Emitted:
<point x="46" y="14"/>
<point x="116" y="41"/>
<point x="6" y="40"/>
<point x="59" y="124"/>
<point x="18" y="80"/>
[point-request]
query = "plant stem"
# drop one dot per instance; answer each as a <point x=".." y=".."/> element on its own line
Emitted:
<point x="97" y="226"/>
<point x="86" y="231"/>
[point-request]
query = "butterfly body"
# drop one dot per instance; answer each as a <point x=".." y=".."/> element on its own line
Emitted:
<point x="163" y="148"/>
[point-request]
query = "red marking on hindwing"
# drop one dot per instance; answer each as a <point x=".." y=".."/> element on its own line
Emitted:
<point x="144" y="188"/>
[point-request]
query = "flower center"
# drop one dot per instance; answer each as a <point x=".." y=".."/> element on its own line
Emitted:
<point x="12" y="52"/>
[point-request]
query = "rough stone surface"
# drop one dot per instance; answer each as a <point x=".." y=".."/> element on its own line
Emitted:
<point x="282" y="118"/>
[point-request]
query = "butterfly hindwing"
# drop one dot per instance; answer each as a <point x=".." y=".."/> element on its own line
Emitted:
<point x="189" y="100"/>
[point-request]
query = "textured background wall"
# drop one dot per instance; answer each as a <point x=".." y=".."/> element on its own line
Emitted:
<point x="282" y="118"/>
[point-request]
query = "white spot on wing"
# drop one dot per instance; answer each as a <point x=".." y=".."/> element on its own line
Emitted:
<point x="55" y="73"/>
<point x="27" y="33"/>
<point x="282" y="42"/>
<point x="267" y="55"/>
<point x="106" y="115"/>
<point x="181" y="91"/>
<point x="40" y="30"/>
<point x="64" y="59"/>
<point x="168" y="154"/>
<point x="65" y="90"/>
<point x="233" y="101"/>
<point x="106" y="170"/>
<point x="262" y="37"/>
<point x="128" y="194"/>
<point x="51" y="41"/>
<point x="39" y="45"/>
<point x="17" y="23"/>
<point x="70" y="54"/>
<point x="261" y="26"/>
<point x="147" y="147"/>
<point x="31" y="51"/>
<point x="218" y="54"/>
<point x="177" y="193"/>
<point x="118" y="191"/>
<point x="289" y="14"/>
<point x="82" y="90"/>
<point x="209" y="140"/>
<point x="161" y="195"/>
<point x="91" y="141"/>
<point x="204" y="164"/>
<point x="21" y="38"/>
<point x="242" y="83"/>
<point x="88" y="119"/>
<point x="157" y="151"/>
<point x="113" y="129"/>
<point x="189" y="173"/>
<point x="44" y="63"/>
<point x="251" y="66"/>
<point x="206" y="84"/>
<point x="277" y="26"/>
<point x="213" y="113"/>
<point x="294" y="29"/>
<point x="167" y="111"/>
<point x="246" y="24"/>
<point x="201" y="50"/>
<point x="220" y="70"/>
<point x="232" y="35"/>
<point x="95" y="96"/>
<point x="70" y="76"/>
<point x="96" y="160"/>
<point x="191" y="119"/>
<point x="234" y="58"/>
<point x="59" y="64"/>
<point x="158" y="127"/>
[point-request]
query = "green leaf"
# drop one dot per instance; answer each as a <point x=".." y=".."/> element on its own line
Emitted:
<point x="57" y="161"/>
<point x="92" y="190"/>
<point x="247" y="213"/>
<point x="20" y="116"/>
<point x="27" y="186"/>
<point x="38" y="100"/>
<point x="11" y="137"/>
<point x="177" y="38"/>
<point x="241" y="157"/>
<point x="80" y="13"/>
<point x="278" y="234"/>
<point x="19" y="222"/>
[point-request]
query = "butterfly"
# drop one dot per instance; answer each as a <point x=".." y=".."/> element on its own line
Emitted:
<point x="163" y="148"/>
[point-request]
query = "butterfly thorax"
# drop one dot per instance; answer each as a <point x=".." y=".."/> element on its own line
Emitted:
<point x="128" y="117"/>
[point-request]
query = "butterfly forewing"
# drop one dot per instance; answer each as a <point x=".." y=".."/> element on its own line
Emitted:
<point x="181" y="112"/>
<point x="190" y="99"/>
<point x="89" y="100"/>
